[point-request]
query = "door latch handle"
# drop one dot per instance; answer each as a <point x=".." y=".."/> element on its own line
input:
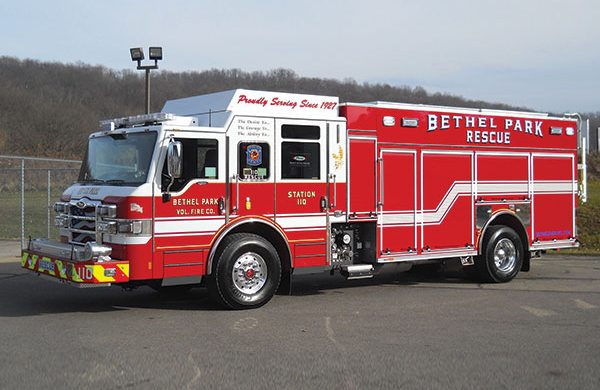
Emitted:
<point x="221" y="206"/>
<point x="323" y="203"/>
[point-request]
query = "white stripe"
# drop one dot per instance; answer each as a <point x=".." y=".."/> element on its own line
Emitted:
<point x="298" y="222"/>
<point x="459" y="189"/>
<point x="407" y="217"/>
<point x="503" y="188"/>
<point x="183" y="226"/>
<point x="549" y="186"/>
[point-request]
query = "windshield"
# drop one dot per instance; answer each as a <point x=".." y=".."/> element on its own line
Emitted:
<point x="120" y="159"/>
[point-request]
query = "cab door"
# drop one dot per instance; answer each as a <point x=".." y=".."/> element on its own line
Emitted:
<point x="185" y="224"/>
<point x="251" y="168"/>
<point x="301" y="203"/>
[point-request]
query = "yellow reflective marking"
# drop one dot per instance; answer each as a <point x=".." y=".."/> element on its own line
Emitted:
<point x="34" y="260"/>
<point x="74" y="276"/>
<point x="24" y="257"/>
<point x="124" y="268"/>
<point x="62" y="271"/>
<point x="99" y="274"/>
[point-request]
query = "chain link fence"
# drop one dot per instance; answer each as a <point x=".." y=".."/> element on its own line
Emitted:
<point x="29" y="187"/>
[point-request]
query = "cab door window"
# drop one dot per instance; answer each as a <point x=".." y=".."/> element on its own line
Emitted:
<point x="200" y="161"/>
<point x="300" y="155"/>
<point x="253" y="161"/>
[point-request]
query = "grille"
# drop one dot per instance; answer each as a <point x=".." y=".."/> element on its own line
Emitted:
<point x="82" y="223"/>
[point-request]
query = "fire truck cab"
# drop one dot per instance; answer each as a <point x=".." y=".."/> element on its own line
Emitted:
<point x="239" y="189"/>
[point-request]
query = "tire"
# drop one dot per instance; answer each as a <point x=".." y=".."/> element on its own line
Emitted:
<point x="246" y="272"/>
<point x="502" y="257"/>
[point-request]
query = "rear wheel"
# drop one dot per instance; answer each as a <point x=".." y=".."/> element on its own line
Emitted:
<point x="502" y="257"/>
<point x="246" y="273"/>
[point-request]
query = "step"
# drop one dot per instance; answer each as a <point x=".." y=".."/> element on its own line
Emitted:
<point x="357" y="271"/>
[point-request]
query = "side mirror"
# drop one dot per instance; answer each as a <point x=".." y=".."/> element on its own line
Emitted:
<point x="175" y="159"/>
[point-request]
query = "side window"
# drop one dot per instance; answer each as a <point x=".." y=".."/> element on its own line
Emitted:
<point x="300" y="132"/>
<point x="300" y="159"/>
<point x="253" y="160"/>
<point x="200" y="161"/>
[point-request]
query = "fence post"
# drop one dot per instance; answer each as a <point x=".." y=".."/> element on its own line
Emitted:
<point x="22" y="203"/>
<point x="49" y="196"/>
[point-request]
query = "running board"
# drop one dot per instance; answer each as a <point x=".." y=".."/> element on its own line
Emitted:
<point x="357" y="271"/>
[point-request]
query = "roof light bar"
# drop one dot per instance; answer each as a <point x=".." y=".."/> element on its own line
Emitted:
<point x="157" y="117"/>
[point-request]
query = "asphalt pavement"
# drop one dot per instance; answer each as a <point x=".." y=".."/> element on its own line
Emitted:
<point x="398" y="330"/>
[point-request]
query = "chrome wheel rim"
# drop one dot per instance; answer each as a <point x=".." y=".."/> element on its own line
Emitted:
<point x="249" y="273"/>
<point x="505" y="255"/>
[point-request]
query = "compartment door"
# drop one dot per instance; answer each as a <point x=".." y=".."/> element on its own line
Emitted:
<point x="447" y="201"/>
<point x="554" y="197"/>
<point x="398" y="204"/>
<point x="362" y="186"/>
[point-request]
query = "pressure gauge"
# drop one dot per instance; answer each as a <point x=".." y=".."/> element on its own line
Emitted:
<point x="346" y="239"/>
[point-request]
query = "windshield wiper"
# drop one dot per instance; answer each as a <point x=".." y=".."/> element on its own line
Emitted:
<point x="114" y="181"/>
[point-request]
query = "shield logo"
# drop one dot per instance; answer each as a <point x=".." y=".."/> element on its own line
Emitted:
<point x="254" y="155"/>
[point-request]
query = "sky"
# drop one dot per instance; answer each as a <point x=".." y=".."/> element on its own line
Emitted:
<point x="541" y="54"/>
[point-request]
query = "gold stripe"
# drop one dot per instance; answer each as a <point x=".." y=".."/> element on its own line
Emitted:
<point x="309" y="240"/>
<point x="183" y="246"/>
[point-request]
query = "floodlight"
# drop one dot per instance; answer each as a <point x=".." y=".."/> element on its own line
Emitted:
<point x="137" y="53"/>
<point x="155" y="53"/>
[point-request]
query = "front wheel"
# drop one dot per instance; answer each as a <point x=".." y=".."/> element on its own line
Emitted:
<point x="502" y="257"/>
<point x="247" y="272"/>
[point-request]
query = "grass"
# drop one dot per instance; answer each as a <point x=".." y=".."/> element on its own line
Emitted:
<point x="36" y="214"/>
<point x="588" y="221"/>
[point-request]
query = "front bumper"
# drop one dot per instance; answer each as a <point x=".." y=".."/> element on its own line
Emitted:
<point x="80" y="273"/>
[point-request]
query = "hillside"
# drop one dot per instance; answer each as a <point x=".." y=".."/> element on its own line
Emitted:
<point x="56" y="105"/>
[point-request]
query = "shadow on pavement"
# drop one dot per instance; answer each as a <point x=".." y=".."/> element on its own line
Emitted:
<point x="23" y="293"/>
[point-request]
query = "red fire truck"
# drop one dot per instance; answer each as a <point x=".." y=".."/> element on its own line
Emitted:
<point x="238" y="190"/>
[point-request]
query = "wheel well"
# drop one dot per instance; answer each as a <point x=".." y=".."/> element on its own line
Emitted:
<point x="513" y="222"/>
<point x="267" y="232"/>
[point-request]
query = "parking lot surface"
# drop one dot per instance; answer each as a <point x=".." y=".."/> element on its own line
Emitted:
<point x="398" y="330"/>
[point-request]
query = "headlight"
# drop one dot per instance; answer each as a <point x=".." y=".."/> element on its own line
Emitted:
<point x="61" y="221"/>
<point x="119" y="227"/>
<point x="107" y="210"/>
<point x="134" y="227"/>
<point x="61" y="208"/>
<point x="108" y="227"/>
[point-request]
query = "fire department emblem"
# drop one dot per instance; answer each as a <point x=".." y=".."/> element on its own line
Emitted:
<point x="254" y="155"/>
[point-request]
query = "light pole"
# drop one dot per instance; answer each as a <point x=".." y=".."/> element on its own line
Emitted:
<point x="137" y="55"/>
